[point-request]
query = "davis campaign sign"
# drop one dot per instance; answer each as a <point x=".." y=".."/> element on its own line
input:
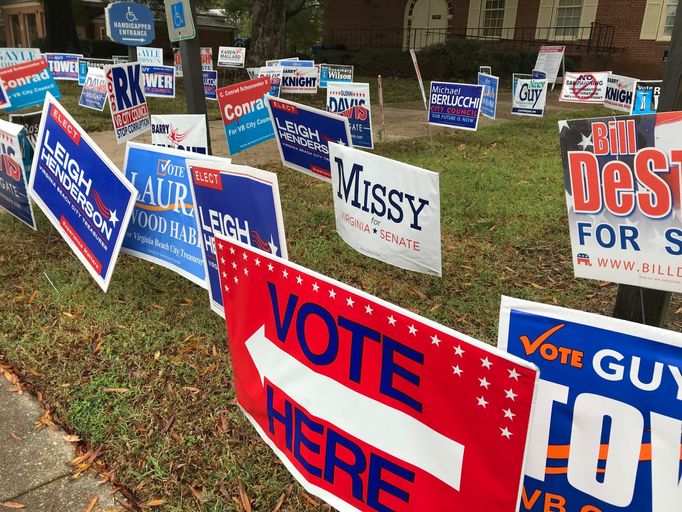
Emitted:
<point x="303" y="134"/>
<point x="127" y="102"/>
<point x="27" y="83"/>
<point x="86" y="198"/>
<point x="163" y="228"/>
<point x="13" y="190"/>
<point x="584" y="87"/>
<point x="238" y="202"/>
<point x="387" y="210"/>
<point x="370" y="406"/>
<point x="245" y="117"/>
<point x="455" y="105"/>
<point x="620" y="92"/>
<point x="607" y="420"/>
<point x="63" y="66"/>
<point x="622" y="179"/>
<point x="180" y="131"/>
<point x="352" y="101"/>
<point x="94" y="92"/>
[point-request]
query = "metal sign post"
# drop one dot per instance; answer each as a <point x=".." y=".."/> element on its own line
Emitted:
<point x="633" y="303"/>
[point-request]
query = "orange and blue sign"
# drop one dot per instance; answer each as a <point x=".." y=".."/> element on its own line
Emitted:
<point x="27" y="83"/>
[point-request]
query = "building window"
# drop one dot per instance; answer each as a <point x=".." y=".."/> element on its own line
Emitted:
<point x="670" y="12"/>
<point x="493" y="18"/>
<point x="568" y="18"/>
<point x="15" y="31"/>
<point x="31" y="29"/>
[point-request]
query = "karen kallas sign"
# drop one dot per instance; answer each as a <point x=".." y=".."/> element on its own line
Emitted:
<point x="622" y="179"/>
<point x="303" y="134"/>
<point x="127" y="101"/>
<point x="370" y="406"/>
<point x="455" y="105"/>
<point x="387" y="210"/>
<point x="81" y="192"/>
<point x="239" y="202"/>
<point x="607" y="419"/>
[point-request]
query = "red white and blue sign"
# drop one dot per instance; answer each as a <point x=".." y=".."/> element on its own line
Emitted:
<point x="238" y="202"/>
<point x="489" y="99"/>
<point x="646" y="97"/>
<point x="351" y="100"/>
<point x="129" y="23"/>
<point x="127" y="101"/>
<point x="27" y="83"/>
<point x="210" y="84"/>
<point x="85" y="197"/>
<point x="455" y="105"/>
<point x="63" y="66"/>
<point x="94" y="92"/>
<point x="607" y="420"/>
<point x="13" y="190"/>
<point x="163" y="228"/>
<point x="159" y="81"/>
<point x="245" y="116"/>
<point x="335" y="73"/>
<point x="303" y="134"/>
<point x="368" y="405"/>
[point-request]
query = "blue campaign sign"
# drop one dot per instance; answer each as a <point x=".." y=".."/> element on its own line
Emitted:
<point x="245" y="117"/>
<point x="333" y="73"/>
<point x="94" y="92"/>
<point x="163" y="228"/>
<point x="81" y="192"/>
<point x="303" y="134"/>
<point x="455" y="105"/>
<point x="646" y="97"/>
<point x="84" y="65"/>
<point x="159" y="81"/>
<point x="607" y="419"/>
<point x="63" y="66"/>
<point x="27" y="83"/>
<point x="238" y="202"/>
<point x="489" y="99"/>
<point x="130" y="23"/>
<point x="210" y="84"/>
<point x="351" y="100"/>
<point x="13" y="190"/>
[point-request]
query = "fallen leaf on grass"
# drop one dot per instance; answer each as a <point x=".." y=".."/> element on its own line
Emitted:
<point x="92" y="505"/>
<point x="191" y="389"/>
<point x="12" y="504"/>
<point x="167" y="426"/>
<point x="153" y="503"/>
<point x="68" y="315"/>
<point x="279" y="503"/>
<point x="246" y="503"/>
<point x="115" y="390"/>
<point x="196" y="493"/>
<point x="32" y="297"/>
<point x="46" y="421"/>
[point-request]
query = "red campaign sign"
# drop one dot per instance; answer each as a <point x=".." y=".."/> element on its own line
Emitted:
<point x="370" y="406"/>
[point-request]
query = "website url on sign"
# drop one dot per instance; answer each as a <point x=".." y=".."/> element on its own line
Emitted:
<point x="657" y="269"/>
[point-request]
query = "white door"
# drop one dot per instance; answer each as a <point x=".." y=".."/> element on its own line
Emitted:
<point x="426" y="23"/>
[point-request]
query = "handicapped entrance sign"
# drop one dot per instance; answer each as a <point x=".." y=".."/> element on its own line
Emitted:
<point x="179" y="20"/>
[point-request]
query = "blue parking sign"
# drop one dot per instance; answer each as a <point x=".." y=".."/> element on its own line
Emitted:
<point x="178" y="11"/>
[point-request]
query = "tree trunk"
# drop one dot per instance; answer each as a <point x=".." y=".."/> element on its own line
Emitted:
<point x="268" y="31"/>
<point x="60" y="26"/>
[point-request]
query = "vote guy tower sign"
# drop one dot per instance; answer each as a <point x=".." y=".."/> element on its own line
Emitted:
<point x="369" y="406"/>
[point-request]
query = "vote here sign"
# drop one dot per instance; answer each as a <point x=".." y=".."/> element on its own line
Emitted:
<point x="370" y="406"/>
<point x="607" y="419"/>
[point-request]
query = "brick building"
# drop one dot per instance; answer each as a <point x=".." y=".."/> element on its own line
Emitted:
<point x="633" y="35"/>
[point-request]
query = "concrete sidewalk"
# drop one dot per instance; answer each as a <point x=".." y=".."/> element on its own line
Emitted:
<point x="34" y="464"/>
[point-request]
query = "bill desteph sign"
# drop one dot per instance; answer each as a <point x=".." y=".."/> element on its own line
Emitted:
<point x="387" y="210"/>
<point x="622" y="179"/>
<point x="82" y="193"/>
<point x="607" y="421"/>
<point x="370" y="406"/>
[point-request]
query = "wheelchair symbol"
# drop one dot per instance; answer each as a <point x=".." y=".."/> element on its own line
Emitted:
<point x="178" y="12"/>
<point x="130" y="15"/>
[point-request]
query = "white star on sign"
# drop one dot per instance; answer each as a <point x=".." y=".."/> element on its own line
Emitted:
<point x="350" y="302"/>
<point x="220" y="246"/>
<point x="222" y="260"/>
<point x="236" y="279"/>
<point x="257" y="262"/>
<point x="486" y="362"/>
<point x="435" y="340"/>
<point x="391" y="320"/>
<point x="562" y="125"/>
<point x="508" y="414"/>
<point x="586" y="141"/>
<point x="332" y="294"/>
<point x="245" y="256"/>
<point x="482" y="401"/>
<point x="456" y="370"/>
<point x="510" y="394"/>
<point x="505" y="432"/>
<point x="227" y="288"/>
<point x="113" y="218"/>
<point x="299" y="280"/>
<point x="285" y="274"/>
<point x="513" y="374"/>
<point x="231" y="250"/>
<point x="273" y="247"/>
<point x="368" y="309"/>
<point x="315" y="287"/>
<point x="459" y="351"/>
<point x="413" y="330"/>
<point x="246" y="271"/>
<point x="484" y="382"/>
<point x="234" y="265"/>
<point x="224" y="275"/>
<point x="270" y="267"/>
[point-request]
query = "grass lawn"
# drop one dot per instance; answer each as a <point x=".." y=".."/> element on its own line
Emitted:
<point x="143" y="372"/>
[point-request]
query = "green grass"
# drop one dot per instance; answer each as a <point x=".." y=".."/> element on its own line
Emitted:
<point x="504" y="232"/>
